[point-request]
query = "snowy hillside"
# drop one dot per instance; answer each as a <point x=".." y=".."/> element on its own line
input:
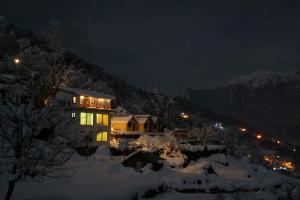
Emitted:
<point x="261" y="79"/>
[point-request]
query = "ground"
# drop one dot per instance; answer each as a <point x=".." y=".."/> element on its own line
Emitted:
<point x="102" y="176"/>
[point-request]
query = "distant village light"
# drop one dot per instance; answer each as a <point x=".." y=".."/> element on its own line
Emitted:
<point x="278" y="141"/>
<point x="184" y="115"/>
<point x="17" y="61"/>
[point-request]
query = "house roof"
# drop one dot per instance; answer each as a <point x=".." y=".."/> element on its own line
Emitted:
<point x="142" y="118"/>
<point x="83" y="92"/>
<point x="125" y="119"/>
<point x="154" y="119"/>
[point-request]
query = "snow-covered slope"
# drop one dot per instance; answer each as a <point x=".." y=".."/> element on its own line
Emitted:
<point x="261" y="79"/>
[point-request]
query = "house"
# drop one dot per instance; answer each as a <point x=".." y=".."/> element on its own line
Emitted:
<point x="125" y="123"/>
<point x="157" y="125"/>
<point x="90" y="112"/>
<point x="145" y="123"/>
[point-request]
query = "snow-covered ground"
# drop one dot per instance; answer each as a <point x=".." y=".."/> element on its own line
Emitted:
<point x="102" y="176"/>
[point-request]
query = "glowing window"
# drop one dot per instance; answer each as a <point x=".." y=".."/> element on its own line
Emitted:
<point x="101" y="137"/>
<point x="82" y="118"/>
<point x="99" y="119"/>
<point x="74" y="100"/>
<point x="89" y="119"/>
<point x="86" y="118"/>
<point x="73" y="115"/>
<point x="105" y="120"/>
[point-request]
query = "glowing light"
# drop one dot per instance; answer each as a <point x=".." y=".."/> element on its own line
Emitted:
<point x="17" y="61"/>
<point x="288" y="165"/>
<point x="243" y="129"/>
<point x="294" y="150"/>
<point x="184" y="115"/>
<point x="258" y="136"/>
<point x="278" y="141"/>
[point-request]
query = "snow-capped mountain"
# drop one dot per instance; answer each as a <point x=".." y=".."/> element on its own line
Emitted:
<point x="265" y="101"/>
<point x="263" y="79"/>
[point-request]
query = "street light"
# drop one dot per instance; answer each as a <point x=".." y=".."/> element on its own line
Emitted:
<point x="17" y="61"/>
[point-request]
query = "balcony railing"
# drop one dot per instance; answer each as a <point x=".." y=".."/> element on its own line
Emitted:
<point x="90" y="102"/>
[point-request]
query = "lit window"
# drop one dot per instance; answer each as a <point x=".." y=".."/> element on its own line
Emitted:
<point x="82" y="118"/>
<point x="101" y="137"/>
<point x="86" y="118"/>
<point x="74" y="100"/>
<point x="105" y="120"/>
<point x="73" y="115"/>
<point x="89" y="119"/>
<point x="99" y="119"/>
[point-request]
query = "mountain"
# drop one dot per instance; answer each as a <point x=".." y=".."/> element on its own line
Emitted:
<point x="265" y="101"/>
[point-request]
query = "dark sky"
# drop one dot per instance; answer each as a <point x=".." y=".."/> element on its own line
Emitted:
<point x="174" y="44"/>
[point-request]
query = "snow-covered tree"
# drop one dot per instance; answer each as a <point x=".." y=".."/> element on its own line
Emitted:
<point x="34" y="140"/>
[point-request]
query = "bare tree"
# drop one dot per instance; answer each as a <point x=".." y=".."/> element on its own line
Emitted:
<point x="34" y="141"/>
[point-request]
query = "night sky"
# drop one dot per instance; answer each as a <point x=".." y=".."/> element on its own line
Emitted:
<point x="172" y="45"/>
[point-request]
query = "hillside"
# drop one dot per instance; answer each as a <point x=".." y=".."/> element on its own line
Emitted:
<point x="266" y="101"/>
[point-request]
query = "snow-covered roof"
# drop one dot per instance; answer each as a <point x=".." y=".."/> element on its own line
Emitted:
<point x="154" y="119"/>
<point x="141" y="118"/>
<point x="124" y="119"/>
<point x="86" y="92"/>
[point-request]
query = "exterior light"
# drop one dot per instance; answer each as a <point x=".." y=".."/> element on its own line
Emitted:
<point x="243" y="129"/>
<point x="294" y="150"/>
<point x="184" y="115"/>
<point x="288" y="165"/>
<point x="17" y="61"/>
<point x="278" y="141"/>
<point x="258" y="136"/>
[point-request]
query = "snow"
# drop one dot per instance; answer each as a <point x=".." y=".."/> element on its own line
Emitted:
<point x="102" y="177"/>
<point x="261" y="79"/>
<point x="124" y="119"/>
<point x="141" y="118"/>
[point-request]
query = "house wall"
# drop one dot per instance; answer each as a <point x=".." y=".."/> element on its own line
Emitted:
<point x="149" y="127"/>
<point x="124" y="126"/>
<point x="83" y="134"/>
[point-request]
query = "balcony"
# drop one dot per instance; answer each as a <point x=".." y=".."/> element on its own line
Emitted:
<point x="91" y="102"/>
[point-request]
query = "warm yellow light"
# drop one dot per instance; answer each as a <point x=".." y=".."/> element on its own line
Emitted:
<point x="101" y="137"/>
<point x="258" y="136"/>
<point x="184" y="116"/>
<point x="105" y="120"/>
<point x="17" y="61"/>
<point x="288" y="165"/>
<point x="243" y="129"/>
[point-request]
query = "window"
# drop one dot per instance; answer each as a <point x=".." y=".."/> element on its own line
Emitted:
<point x="145" y="125"/>
<point x="105" y="120"/>
<point x="74" y="100"/>
<point x="73" y="115"/>
<point x="129" y="125"/>
<point x="101" y="137"/>
<point x="99" y="119"/>
<point x="82" y="118"/>
<point x="86" y="118"/>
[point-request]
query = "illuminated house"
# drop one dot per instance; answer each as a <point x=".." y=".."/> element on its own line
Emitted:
<point x="145" y="123"/>
<point x="126" y="123"/>
<point x="90" y="112"/>
<point x="139" y="123"/>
